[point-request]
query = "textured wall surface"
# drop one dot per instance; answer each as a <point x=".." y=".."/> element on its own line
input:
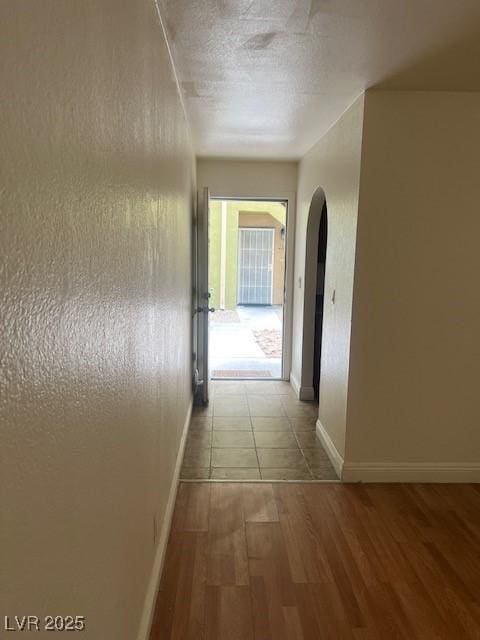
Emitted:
<point x="95" y="304"/>
<point x="415" y="358"/>
<point x="246" y="178"/>
<point x="333" y="165"/>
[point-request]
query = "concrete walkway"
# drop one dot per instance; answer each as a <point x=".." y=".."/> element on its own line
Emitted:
<point x="233" y="346"/>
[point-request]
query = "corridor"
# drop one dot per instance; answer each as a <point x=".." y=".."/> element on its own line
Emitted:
<point x="199" y="201"/>
<point x="255" y="430"/>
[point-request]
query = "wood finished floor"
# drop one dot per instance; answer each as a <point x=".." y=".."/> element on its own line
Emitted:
<point x="321" y="561"/>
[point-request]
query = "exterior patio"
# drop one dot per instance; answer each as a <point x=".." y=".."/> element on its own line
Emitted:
<point x="246" y="342"/>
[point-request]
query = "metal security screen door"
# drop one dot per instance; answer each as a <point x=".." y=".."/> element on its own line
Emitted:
<point x="255" y="266"/>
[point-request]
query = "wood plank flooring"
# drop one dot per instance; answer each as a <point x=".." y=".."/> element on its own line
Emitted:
<point x="322" y="562"/>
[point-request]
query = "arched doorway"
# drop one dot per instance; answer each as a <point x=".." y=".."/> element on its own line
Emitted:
<point x="315" y="262"/>
<point x="319" y="297"/>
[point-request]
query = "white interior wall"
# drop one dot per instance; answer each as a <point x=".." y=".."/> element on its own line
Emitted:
<point x="95" y="380"/>
<point x="333" y="164"/>
<point x="413" y="410"/>
<point x="246" y="178"/>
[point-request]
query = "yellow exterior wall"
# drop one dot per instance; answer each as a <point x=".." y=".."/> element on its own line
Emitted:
<point x="242" y="213"/>
<point x="266" y="220"/>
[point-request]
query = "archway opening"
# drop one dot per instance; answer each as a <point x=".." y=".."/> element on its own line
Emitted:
<point x="319" y="297"/>
<point x="314" y="292"/>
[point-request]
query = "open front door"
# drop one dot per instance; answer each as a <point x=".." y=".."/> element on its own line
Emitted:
<point x="202" y="296"/>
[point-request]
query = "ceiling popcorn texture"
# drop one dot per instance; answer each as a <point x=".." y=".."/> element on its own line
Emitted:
<point x="264" y="78"/>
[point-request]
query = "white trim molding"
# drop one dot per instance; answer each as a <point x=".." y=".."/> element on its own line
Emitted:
<point x="151" y="595"/>
<point x="335" y="458"/>
<point x="411" y="472"/>
<point x="302" y="393"/>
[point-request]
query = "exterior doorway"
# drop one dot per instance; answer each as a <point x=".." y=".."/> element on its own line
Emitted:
<point x="246" y="283"/>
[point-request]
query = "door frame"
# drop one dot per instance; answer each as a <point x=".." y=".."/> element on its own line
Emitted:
<point x="201" y="297"/>
<point x="290" y="198"/>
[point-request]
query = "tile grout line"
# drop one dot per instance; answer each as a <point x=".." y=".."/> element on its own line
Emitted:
<point x="304" y="457"/>
<point x="283" y="399"/>
<point x="298" y="443"/>
<point x="255" y="445"/>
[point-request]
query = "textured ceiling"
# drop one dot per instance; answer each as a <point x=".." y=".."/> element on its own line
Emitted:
<point x="266" y="78"/>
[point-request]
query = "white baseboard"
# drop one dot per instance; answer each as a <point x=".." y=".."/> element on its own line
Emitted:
<point x="332" y="452"/>
<point x="151" y="596"/>
<point x="302" y="393"/>
<point x="397" y="471"/>
<point x="306" y="393"/>
<point x="295" y="384"/>
<point x="410" y="472"/>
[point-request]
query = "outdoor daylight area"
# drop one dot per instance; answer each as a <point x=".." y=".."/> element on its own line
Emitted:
<point x="246" y="284"/>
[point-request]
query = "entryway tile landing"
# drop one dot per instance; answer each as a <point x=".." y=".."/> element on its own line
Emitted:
<point x="255" y="430"/>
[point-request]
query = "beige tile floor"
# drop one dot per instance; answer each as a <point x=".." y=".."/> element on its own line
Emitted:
<point x="255" y="430"/>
